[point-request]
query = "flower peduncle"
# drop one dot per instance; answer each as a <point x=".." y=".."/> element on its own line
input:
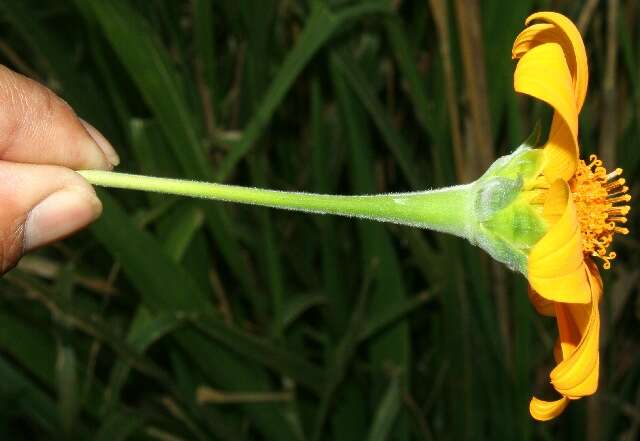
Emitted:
<point x="447" y="210"/>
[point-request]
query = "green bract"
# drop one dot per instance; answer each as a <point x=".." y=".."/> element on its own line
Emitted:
<point x="506" y="224"/>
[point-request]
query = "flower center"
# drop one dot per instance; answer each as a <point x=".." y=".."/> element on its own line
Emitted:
<point x="598" y="197"/>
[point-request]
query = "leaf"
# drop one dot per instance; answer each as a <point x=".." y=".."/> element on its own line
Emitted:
<point x="319" y="27"/>
<point x="119" y="426"/>
<point x="67" y="383"/>
<point x="387" y="412"/>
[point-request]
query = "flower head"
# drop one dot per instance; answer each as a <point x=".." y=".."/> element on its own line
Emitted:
<point x="583" y="206"/>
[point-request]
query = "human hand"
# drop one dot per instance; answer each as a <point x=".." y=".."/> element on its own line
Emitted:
<point x="42" y="141"/>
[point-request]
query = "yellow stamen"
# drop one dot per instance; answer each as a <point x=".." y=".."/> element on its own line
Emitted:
<point x="595" y="193"/>
<point x="617" y="183"/>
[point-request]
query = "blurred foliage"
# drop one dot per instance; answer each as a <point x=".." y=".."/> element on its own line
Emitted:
<point x="181" y="319"/>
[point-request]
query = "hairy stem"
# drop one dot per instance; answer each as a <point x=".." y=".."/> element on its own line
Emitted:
<point x="446" y="210"/>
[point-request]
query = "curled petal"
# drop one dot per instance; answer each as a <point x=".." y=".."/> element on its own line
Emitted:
<point x="542" y="305"/>
<point x="533" y="36"/>
<point x="557" y="351"/>
<point x="547" y="410"/>
<point x="556" y="267"/>
<point x="570" y="335"/>
<point x="542" y="73"/>
<point x="556" y="28"/>
<point x="574" y="48"/>
<point x="577" y="374"/>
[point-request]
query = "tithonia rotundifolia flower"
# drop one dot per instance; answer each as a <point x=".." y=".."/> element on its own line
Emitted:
<point x="582" y="203"/>
<point x="542" y="211"/>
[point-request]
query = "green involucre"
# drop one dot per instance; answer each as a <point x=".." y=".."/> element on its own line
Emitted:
<point x="507" y="225"/>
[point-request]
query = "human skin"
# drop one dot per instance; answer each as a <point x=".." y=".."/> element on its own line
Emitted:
<point x="42" y="142"/>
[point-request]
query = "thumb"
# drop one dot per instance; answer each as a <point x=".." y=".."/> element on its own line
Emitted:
<point x="40" y="204"/>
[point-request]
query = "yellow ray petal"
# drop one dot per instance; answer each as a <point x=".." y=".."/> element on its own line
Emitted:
<point x="557" y="29"/>
<point x="577" y="374"/>
<point x="556" y="268"/>
<point x="547" y="410"/>
<point x="543" y="73"/>
<point x="533" y="36"/>
<point x="569" y="335"/>
<point x="564" y="249"/>
<point x="574" y="48"/>
<point x="580" y="377"/>
<point x="542" y="305"/>
<point x="557" y="351"/>
<point x="555" y="203"/>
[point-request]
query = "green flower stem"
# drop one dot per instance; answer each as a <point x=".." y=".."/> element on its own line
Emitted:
<point x="448" y="210"/>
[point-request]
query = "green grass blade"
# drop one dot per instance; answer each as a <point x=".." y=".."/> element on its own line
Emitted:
<point x="319" y="27"/>
<point x="119" y="426"/>
<point x="149" y="67"/>
<point x="399" y="147"/>
<point x="387" y="412"/>
<point x="24" y="397"/>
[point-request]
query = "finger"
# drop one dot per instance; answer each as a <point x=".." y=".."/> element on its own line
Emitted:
<point x="41" y="204"/>
<point x="102" y="142"/>
<point x="38" y="127"/>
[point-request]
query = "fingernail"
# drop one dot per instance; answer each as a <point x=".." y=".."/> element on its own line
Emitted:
<point x="102" y="142"/>
<point x="59" y="215"/>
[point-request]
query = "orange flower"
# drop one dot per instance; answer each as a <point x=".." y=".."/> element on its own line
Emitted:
<point x="580" y="202"/>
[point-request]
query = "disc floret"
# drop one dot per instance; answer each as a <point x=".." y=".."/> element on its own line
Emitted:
<point x="600" y="199"/>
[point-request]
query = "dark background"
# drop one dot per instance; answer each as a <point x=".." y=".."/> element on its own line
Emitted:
<point x="177" y="319"/>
